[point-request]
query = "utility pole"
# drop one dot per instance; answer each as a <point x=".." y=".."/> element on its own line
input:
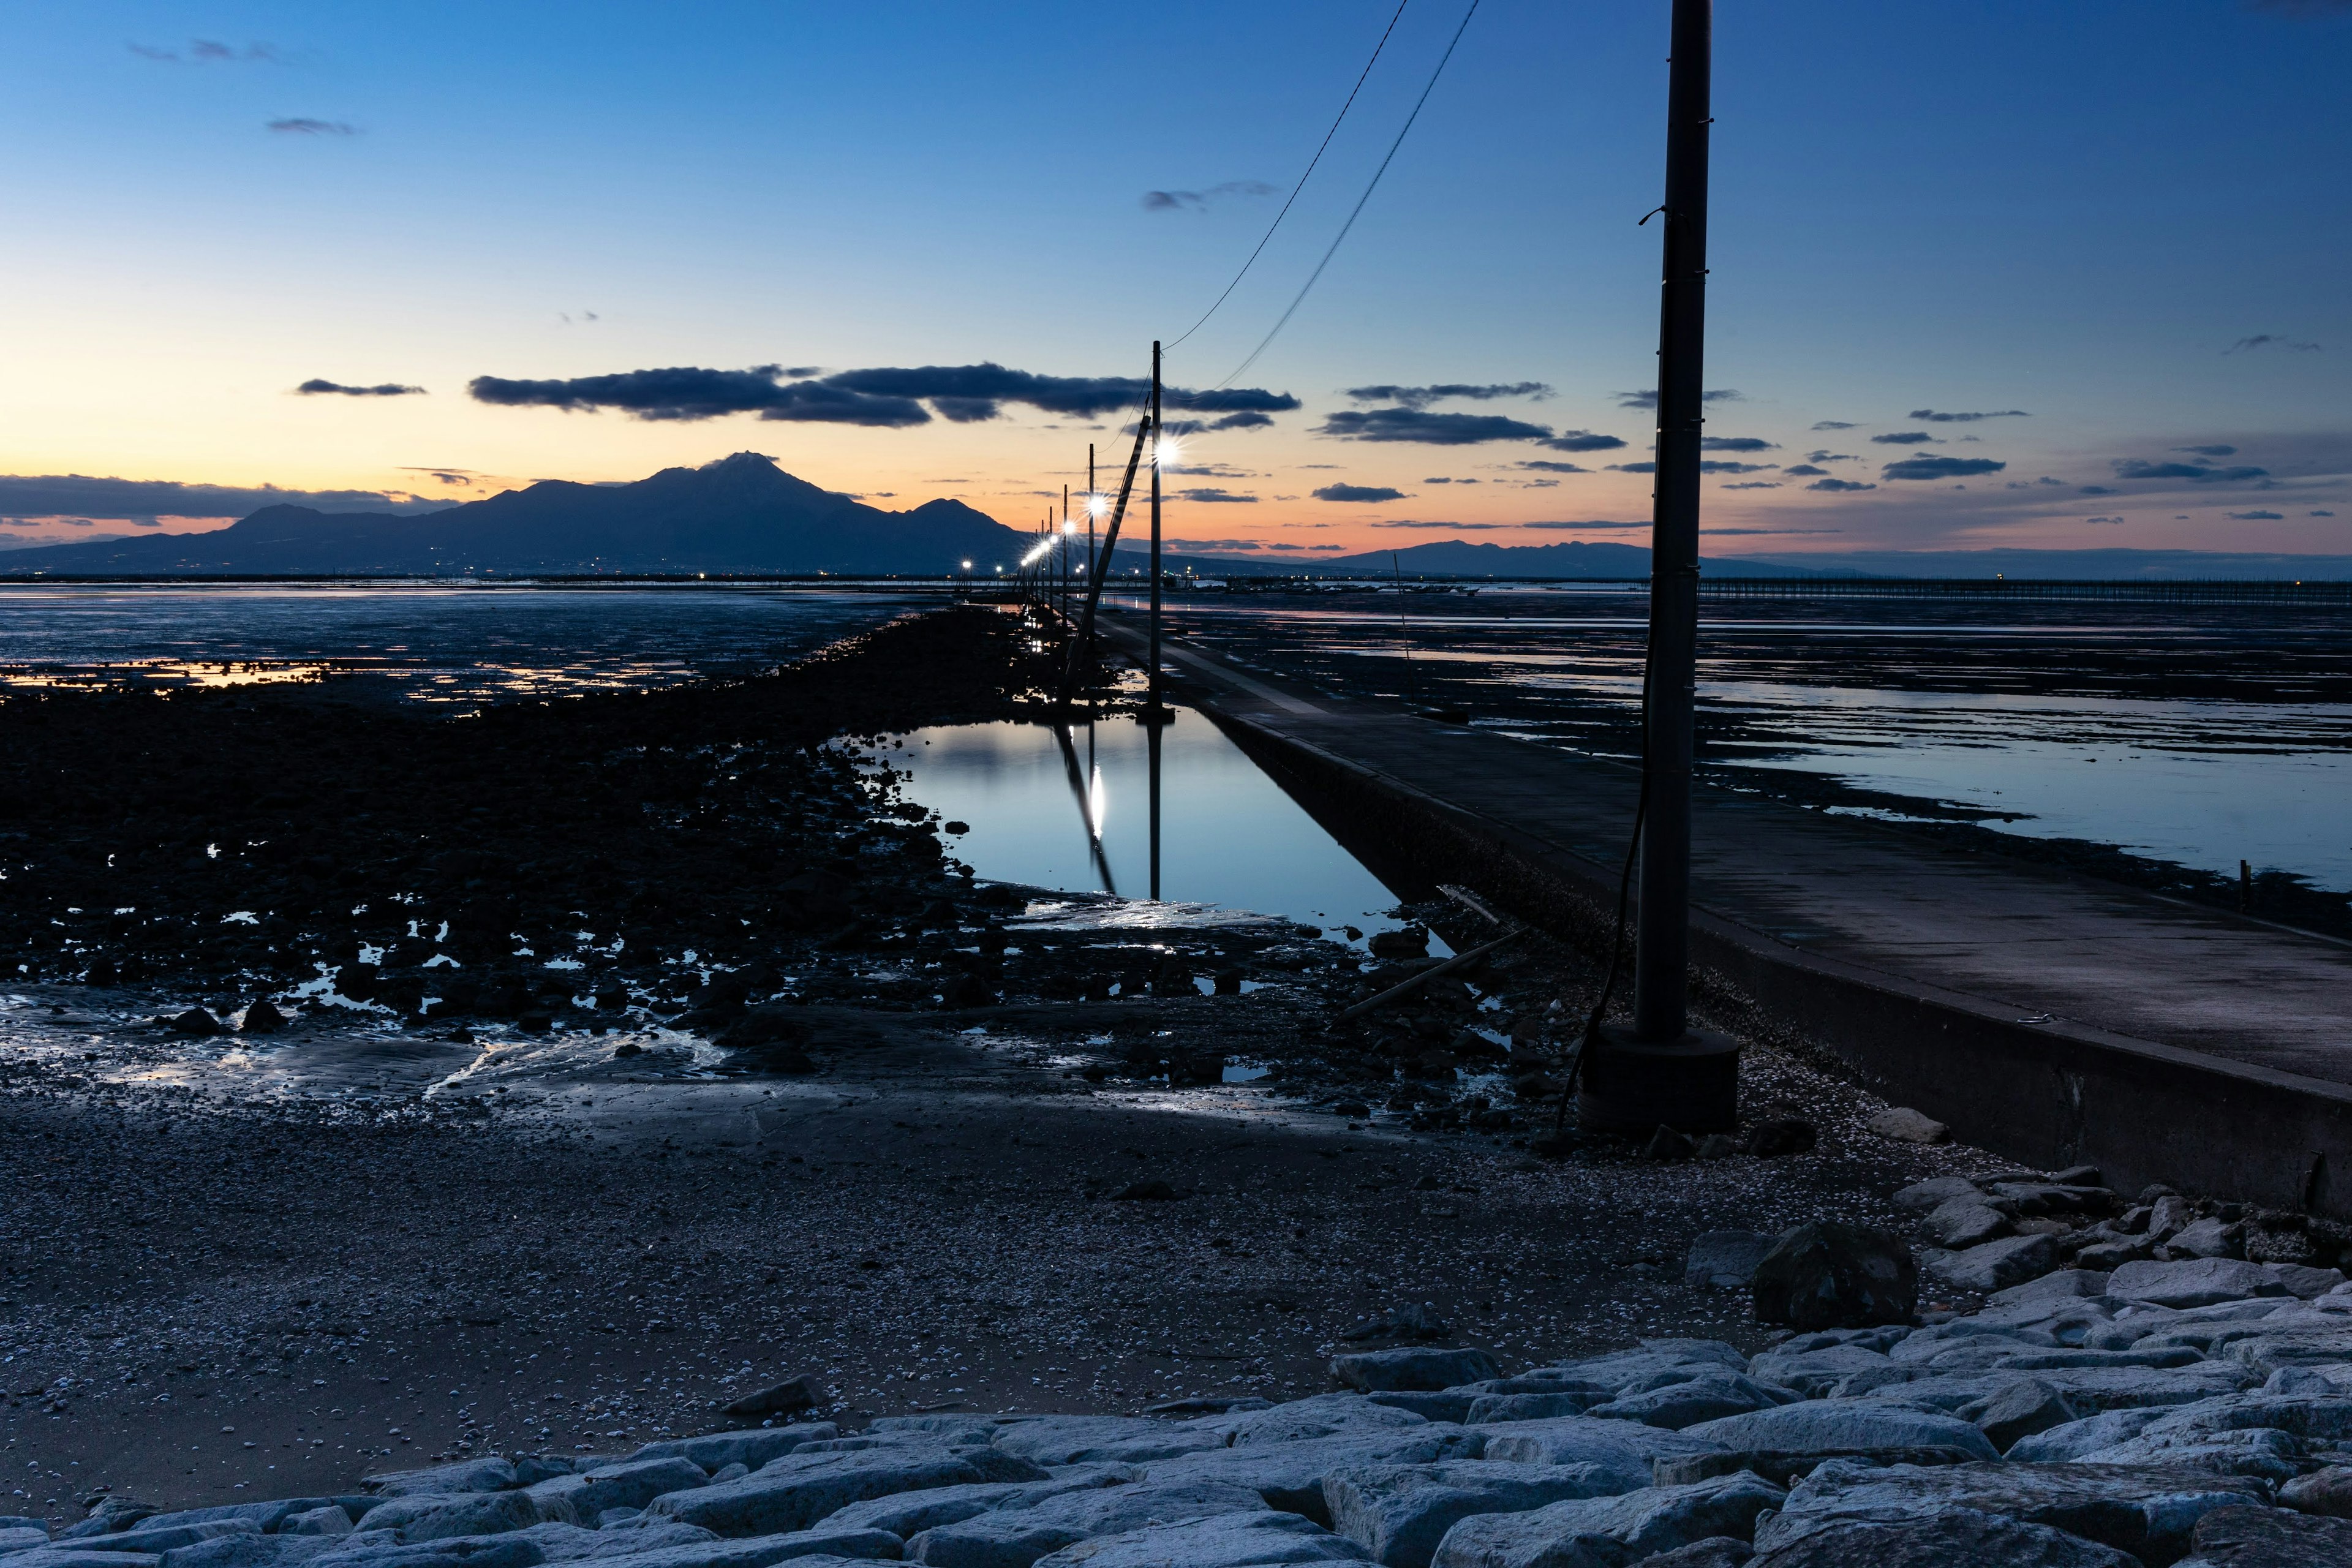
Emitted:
<point x="1093" y="504"/>
<point x="1153" y="715"/>
<point x="1661" y="1072"/>
<point x="1065" y="553"/>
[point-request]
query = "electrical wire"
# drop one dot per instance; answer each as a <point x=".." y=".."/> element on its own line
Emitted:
<point x="1301" y="186"/>
<point x="1340" y="239"/>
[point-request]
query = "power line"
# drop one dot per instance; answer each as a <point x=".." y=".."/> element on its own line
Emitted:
<point x="1302" y="179"/>
<point x="1243" y="367"/>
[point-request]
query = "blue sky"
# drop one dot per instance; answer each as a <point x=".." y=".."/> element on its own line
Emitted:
<point x="2079" y="211"/>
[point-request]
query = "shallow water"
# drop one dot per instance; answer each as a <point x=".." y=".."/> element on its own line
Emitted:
<point x="1075" y="813"/>
<point x="436" y="642"/>
<point x="2199" y="735"/>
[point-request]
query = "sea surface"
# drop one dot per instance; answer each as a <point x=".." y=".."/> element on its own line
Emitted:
<point x="2198" y="735"/>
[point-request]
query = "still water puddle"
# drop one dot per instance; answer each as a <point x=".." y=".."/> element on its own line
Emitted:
<point x="1076" y="810"/>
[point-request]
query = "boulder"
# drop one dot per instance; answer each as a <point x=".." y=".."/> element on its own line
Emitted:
<point x="1964" y="1222"/>
<point x="1831" y="1274"/>
<point x="1290" y="1476"/>
<point x="909" y="1514"/>
<point x="794" y="1492"/>
<point x="582" y="1498"/>
<point x="429" y="1517"/>
<point x="785" y="1398"/>
<point x="1629" y="1450"/>
<point x="490" y="1473"/>
<point x="753" y="1448"/>
<point x="152" y="1539"/>
<point x="1016" y="1537"/>
<point x="1842" y="1426"/>
<point x="2193" y="1282"/>
<point x="1725" y="1260"/>
<point x="1934" y="1190"/>
<point x="1097" y="1440"/>
<point x="2061" y="1285"/>
<point x="1814" y="1371"/>
<point x="22" y="1537"/>
<point x="2324" y="1491"/>
<point x="1904" y="1125"/>
<point x="2267" y="1538"/>
<point x="329" y="1520"/>
<point x="1225" y="1541"/>
<point x="1996" y="1265"/>
<point x="2025" y="1407"/>
<point x="1399" y="1514"/>
<point x="2209" y="1238"/>
<point x="1639" y="1523"/>
<point x="1961" y="1538"/>
<point x="2146" y="1511"/>
<point x="1492" y="1407"/>
<point x="1715" y="1551"/>
<point x="1411" y="1367"/>
<point x="1706" y="1397"/>
<point x="1323" y="1416"/>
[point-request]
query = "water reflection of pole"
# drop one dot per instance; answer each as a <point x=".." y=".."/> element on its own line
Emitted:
<point x="1081" y="791"/>
<point x="1151" y="731"/>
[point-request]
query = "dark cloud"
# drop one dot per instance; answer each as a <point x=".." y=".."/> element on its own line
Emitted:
<point x="2102" y="520"/>
<point x="2257" y="516"/>
<point x="1632" y="468"/>
<point x="1580" y="441"/>
<point x="140" y="501"/>
<point x="1737" y="444"/>
<point x="889" y="397"/>
<point x="1839" y="486"/>
<point x="1833" y="425"/>
<point x="1464" y="527"/>
<point x="1903" y="438"/>
<point x="2322" y="514"/>
<point x="315" y="387"/>
<point x="1210" y="493"/>
<point x="1929" y="413"/>
<point x="1431" y="429"/>
<point x="1358" y="492"/>
<point x="302" y="126"/>
<point x="1755" y="485"/>
<point x="2271" y="341"/>
<point x="1941" y="469"/>
<point x="1198" y="201"/>
<point x="1803" y="471"/>
<point x="1544" y="465"/>
<point x="1709" y="466"/>
<point x="2196" y="473"/>
<point x="1774" y="532"/>
<point x="1564" y="526"/>
<point x="1422" y="396"/>
<point x="2098" y="490"/>
<point x="1826" y="455"/>
<point x="1649" y="399"/>
<point x="2215" y="450"/>
<point x="1230" y="421"/>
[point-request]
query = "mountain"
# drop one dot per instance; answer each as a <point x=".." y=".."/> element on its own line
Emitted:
<point x="738" y="515"/>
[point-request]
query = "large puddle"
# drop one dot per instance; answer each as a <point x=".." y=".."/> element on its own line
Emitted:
<point x="1076" y="809"/>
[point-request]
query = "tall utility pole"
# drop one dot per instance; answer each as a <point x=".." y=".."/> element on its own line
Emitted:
<point x="1093" y="504"/>
<point x="1153" y="716"/>
<point x="1065" y="553"/>
<point x="1661" y="1071"/>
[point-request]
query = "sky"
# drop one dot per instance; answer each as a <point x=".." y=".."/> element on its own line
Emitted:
<point x="2012" y="274"/>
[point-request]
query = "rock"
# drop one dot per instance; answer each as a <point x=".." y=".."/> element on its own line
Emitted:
<point x="753" y="1448"/>
<point x="1643" y="1523"/>
<point x="154" y="1539"/>
<point x="2146" y="1510"/>
<point x="1934" y="1190"/>
<point x="1097" y="1440"/>
<point x="2267" y="1538"/>
<point x="1769" y="1139"/>
<point x="1708" y="1397"/>
<point x="425" y="1516"/>
<point x="2060" y="1285"/>
<point x="2325" y="1491"/>
<point x="582" y="1498"/>
<point x="1289" y="1475"/>
<point x="1377" y="1371"/>
<point x="1813" y="1372"/>
<point x="1445" y="1405"/>
<point x="1412" y="1321"/>
<point x="1398" y="1513"/>
<point x="1725" y="1260"/>
<point x="2167" y="1214"/>
<point x="2025" y="1407"/>
<point x="791" y="1493"/>
<point x="22" y="1537"/>
<point x="1904" y="1125"/>
<point x="328" y="1520"/>
<point x="2193" y="1282"/>
<point x="1493" y="1407"/>
<point x="261" y="1018"/>
<point x="1832" y="1274"/>
<point x="2209" y="1239"/>
<point x="1964" y="1222"/>
<point x="1715" y="1551"/>
<point x="1663" y="1360"/>
<point x="488" y="1473"/>
<point x="1146" y="1192"/>
<point x="794" y="1394"/>
<point x="79" y="1555"/>
<point x="265" y="1516"/>
<point x="909" y="1514"/>
<point x="2304" y="1282"/>
<point x="1014" y="1537"/>
<point x="1323" y="1416"/>
<point x="1412" y="941"/>
<point x="1997" y="1265"/>
<point x="1667" y="1144"/>
<point x="197" y="1021"/>
<point x="1961" y="1538"/>
<point x="1842" y="1426"/>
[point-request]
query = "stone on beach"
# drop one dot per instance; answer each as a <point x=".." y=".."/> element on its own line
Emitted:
<point x="1017" y="1536"/>
<point x="1958" y="1538"/>
<point x="1223" y="1540"/>
<point x="1412" y="1368"/>
<point x="1399" y="1514"/>
<point x="2193" y="1282"/>
<point x="1996" y="1265"/>
<point x="1638" y="1523"/>
<point x="794" y="1492"/>
<point x="1906" y="1125"/>
<point x="1725" y="1260"/>
<point x="1834" y="1275"/>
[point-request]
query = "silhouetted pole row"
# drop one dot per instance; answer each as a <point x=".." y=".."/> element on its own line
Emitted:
<point x="1143" y="428"/>
<point x="1151" y="715"/>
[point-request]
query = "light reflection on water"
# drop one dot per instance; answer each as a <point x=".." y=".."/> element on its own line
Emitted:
<point x="1229" y="835"/>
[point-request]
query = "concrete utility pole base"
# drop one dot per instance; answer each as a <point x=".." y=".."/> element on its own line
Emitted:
<point x="1629" y="1086"/>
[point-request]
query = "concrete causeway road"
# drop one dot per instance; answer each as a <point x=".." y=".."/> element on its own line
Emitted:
<point x="2003" y="935"/>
